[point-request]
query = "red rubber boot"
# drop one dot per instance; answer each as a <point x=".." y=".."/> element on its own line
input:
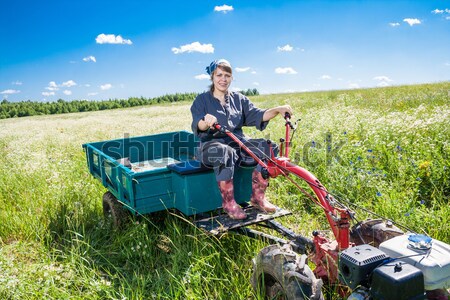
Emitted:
<point x="258" y="200"/>
<point x="229" y="205"/>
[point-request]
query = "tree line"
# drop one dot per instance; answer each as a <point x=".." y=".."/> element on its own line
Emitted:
<point x="33" y="108"/>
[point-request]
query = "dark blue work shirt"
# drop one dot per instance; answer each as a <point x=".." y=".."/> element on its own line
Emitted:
<point x="238" y="111"/>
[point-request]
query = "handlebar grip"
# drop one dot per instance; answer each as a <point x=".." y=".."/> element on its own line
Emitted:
<point x="215" y="125"/>
<point x="287" y="115"/>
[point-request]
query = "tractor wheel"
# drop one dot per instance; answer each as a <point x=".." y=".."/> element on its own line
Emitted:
<point x="280" y="273"/>
<point x="113" y="210"/>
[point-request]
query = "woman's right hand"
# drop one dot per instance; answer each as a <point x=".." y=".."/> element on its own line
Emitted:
<point x="209" y="121"/>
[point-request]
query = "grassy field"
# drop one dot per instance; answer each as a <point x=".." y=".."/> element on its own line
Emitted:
<point x="386" y="150"/>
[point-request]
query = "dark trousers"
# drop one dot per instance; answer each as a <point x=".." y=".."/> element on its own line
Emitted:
<point x="223" y="155"/>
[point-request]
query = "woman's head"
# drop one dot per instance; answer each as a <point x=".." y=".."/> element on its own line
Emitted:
<point x="221" y="75"/>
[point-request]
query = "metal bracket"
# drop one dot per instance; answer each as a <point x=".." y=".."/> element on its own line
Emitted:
<point x="222" y="223"/>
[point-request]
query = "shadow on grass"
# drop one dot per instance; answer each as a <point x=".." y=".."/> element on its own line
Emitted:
<point x="162" y="255"/>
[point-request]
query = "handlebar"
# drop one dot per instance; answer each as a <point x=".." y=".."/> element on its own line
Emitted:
<point x="220" y="128"/>
<point x="287" y="117"/>
<point x="284" y="150"/>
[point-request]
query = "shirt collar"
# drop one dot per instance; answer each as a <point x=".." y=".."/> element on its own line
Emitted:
<point x="228" y="96"/>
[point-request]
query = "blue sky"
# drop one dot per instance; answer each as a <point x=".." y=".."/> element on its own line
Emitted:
<point x="95" y="50"/>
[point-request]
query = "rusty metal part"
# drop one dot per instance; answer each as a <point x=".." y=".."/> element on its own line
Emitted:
<point x="373" y="232"/>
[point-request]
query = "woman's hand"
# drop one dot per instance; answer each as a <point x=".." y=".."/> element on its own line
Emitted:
<point x="207" y="122"/>
<point x="272" y="112"/>
<point x="282" y="110"/>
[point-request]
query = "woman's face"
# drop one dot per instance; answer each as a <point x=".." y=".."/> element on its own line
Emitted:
<point x="222" y="80"/>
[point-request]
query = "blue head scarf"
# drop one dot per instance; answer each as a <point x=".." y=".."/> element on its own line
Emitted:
<point x="212" y="66"/>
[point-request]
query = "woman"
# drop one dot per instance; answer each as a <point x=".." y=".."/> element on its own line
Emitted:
<point x="232" y="110"/>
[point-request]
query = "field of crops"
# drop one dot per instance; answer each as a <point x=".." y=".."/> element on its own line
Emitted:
<point x="384" y="150"/>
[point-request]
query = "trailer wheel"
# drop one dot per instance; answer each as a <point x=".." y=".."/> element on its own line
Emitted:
<point x="113" y="211"/>
<point x="280" y="273"/>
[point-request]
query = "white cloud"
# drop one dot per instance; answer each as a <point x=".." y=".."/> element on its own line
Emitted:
<point x="242" y="69"/>
<point x="194" y="47"/>
<point x="92" y="94"/>
<point x="105" y="86"/>
<point x="287" y="70"/>
<point x="383" y="81"/>
<point x="412" y="22"/>
<point x="69" y="83"/>
<point x="52" y="86"/>
<point x="67" y="92"/>
<point x="325" y="77"/>
<point x="46" y="94"/>
<point x="285" y="48"/>
<point x="112" y="39"/>
<point x="382" y="78"/>
<point x="223" y="8"/>
<point x="16" y="82"/>
<point x="90" y="58"/>
<point x="353" y="86"/>
<point x="256" y="83"/>
<point x="383" y="84"/>
<point x="437" y="11"/>
<point x="202" y="77"/>
<point x="394" y="24"/>
<point x="9" y="92"/>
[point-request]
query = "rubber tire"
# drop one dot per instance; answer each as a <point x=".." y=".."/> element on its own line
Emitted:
<point x="280" y="273"/>
<point x="114" y="212"/>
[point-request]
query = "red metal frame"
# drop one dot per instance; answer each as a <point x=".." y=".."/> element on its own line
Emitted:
<point x="326" y="252"/>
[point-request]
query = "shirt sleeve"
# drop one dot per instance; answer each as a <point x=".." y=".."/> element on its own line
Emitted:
<point x="198" y="111"/>
<point x="253" y="116"/>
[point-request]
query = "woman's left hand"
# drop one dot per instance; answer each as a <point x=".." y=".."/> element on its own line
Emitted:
<point x="282" y="110"/>
<point x="273" y="112"/>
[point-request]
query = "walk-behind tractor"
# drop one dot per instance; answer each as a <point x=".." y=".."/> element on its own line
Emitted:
<point x="372" y="259"/>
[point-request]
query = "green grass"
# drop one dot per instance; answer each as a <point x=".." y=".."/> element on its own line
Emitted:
<point x="386" y="150"/>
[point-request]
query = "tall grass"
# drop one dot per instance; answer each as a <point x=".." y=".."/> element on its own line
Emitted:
<point x="385" y="150"/>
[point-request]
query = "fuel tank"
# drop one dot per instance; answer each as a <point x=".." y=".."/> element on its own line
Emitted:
<point x="431" y="256"/>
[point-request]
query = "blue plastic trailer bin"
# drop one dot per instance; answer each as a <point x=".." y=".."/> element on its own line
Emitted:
<point x="157" y="172"/>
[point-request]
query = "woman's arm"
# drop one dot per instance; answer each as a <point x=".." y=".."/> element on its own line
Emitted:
<point x="273" y="112"/>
